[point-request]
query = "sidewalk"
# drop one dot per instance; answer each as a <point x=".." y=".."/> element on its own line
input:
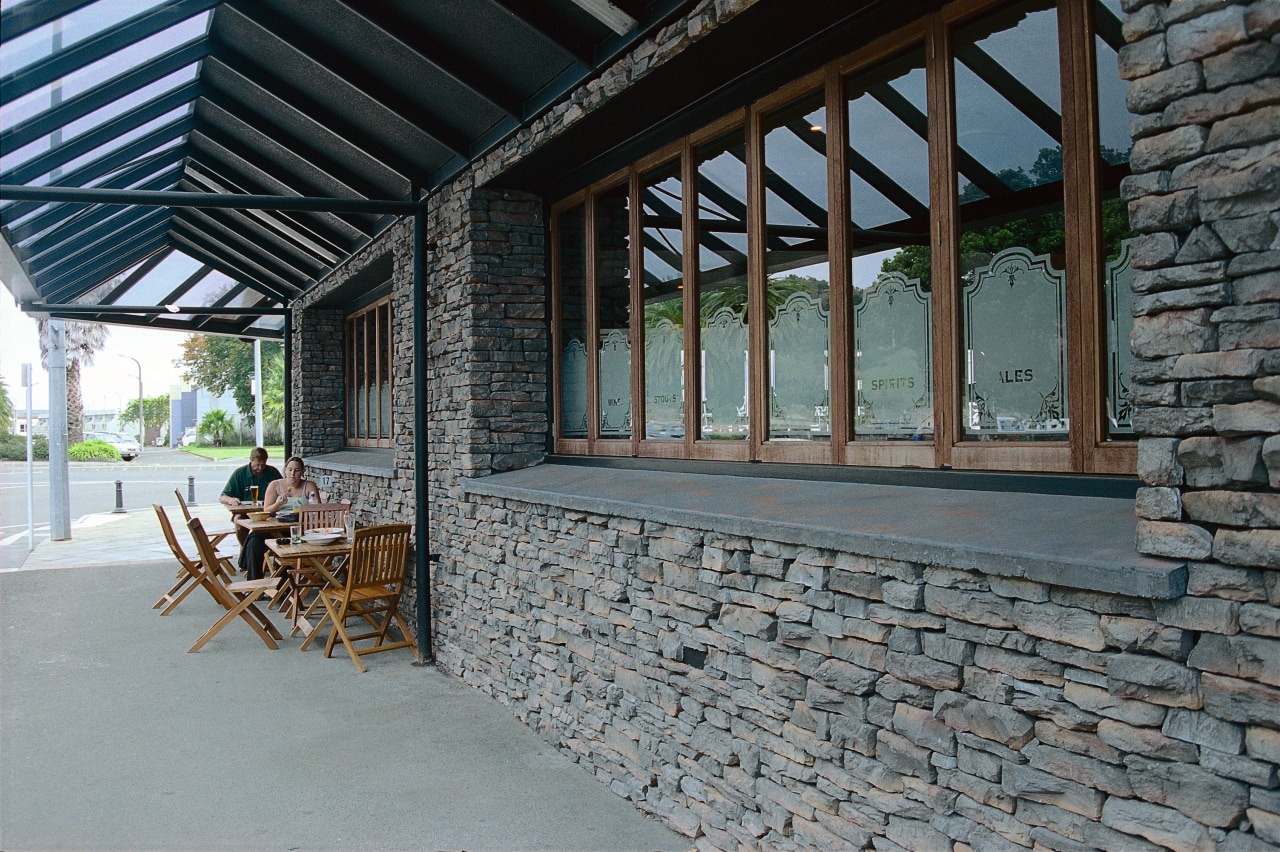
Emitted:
<point x="115" y="737"/>
<point x="128" y="538"/>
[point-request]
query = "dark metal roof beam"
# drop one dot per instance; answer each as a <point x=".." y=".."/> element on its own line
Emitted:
<point x="863" y="168"/>
<point x="208" y="144"/>
<point x="339" y="64"/>
<point x="185" y="287"/>
<point x="270" y="239"/>
<point x="73" y="109"/>
<point x="247" y="269"/>
<point x="111" y="264"/>
<point x="59" y="215"/>
<point x="86" y="258"/>
<point x="251" y="74"/>
<point x="535" y="16"/>
<point x="82" y="53"/>
<point x="136" y="275"/>
<point x="230" y="329"/>
<point x="75" y="195"/>
<point x="262" y="255"/>
<point x="20" y="19"/>
<point x="159" y="310"/>
<point x="1107" y="26"/>
<point x="213" y="109"/>
<point x="104" y="222"/>
<point x="120" y="158"/>
<point x="291" y="229"/>
<point x="57" y="157"/>
<point x="438" y="54"/>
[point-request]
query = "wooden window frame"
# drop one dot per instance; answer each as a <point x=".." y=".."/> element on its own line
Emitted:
<point x="1087" y="448"/>
<point x="363" y="362"/>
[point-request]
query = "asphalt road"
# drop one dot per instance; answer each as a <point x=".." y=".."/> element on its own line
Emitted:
<point x="151" y="478"/>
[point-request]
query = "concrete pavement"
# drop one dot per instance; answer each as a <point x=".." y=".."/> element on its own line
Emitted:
<point x="114" y="737"/>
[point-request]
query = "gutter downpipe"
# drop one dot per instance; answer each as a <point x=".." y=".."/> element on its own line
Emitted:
<point x="422" y="460"/>
<point x="288" y="385"/>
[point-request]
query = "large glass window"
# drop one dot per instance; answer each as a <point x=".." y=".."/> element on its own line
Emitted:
<point x="889" y="251"/>
<point x="369" y="345"/>
<point x="798" y="290"/>
<point x="934" y="271"/>
<point x="722" y="287"/>
<point x="662" y="203"/>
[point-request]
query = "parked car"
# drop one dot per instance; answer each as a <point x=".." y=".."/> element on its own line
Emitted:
<point x="128" y="447"/>
<point x="189" y="436"/>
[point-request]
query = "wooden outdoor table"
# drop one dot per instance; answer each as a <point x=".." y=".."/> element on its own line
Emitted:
<point x="269" y="527"/>
<point x="310" y="567"/>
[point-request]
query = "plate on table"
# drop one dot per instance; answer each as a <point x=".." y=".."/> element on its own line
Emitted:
<point x="323" y="535"/>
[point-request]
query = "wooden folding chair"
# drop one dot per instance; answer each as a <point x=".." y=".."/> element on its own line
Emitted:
<point x="216" y="534"/>
<point x="189" y="570"/>
<point x="301" y="580"/>
<point x="238" y="598"/>
<point x="375" y="581"/>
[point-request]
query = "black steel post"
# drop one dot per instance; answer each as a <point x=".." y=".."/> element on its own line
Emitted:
<point x="191" y="491"/>
<point x="422" y="459"/>
<point x="119" y="509"/>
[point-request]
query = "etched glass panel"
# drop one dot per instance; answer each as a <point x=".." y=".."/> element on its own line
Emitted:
<point x="799" y="276"/>
<point x="891" y="269"/>
<point x="1015" y="323"/>
<point x="724" y="376"/>
<point x="613" y="277"/>
<point x="892" y="360"/>
<point x="722" y="287"/>
<point x="800" y="369"/>
<point x="1119" y="295"/>
<point x="663" y="235"/>
<point x="572" y="254"/>
<point x="1012" y="229"/>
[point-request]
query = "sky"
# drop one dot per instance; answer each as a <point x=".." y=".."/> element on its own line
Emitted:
<point x="110" y="383"/>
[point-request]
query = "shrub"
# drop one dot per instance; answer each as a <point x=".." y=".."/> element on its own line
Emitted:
<point x="93" y="450"/>
<point x="14" y="447"/>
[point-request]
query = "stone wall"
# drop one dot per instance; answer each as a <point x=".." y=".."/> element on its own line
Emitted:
<point x="1206" y="195"/>
<point x="758" y="694"/>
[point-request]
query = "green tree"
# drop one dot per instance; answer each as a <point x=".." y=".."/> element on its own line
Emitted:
<point x="220" y="364"/>
<point x="273" y="389"/>
<point x="215" y="426"/>
<point x="155" y="410"/>
<point x="83" y="341"/>
<point x="6" y="410"/>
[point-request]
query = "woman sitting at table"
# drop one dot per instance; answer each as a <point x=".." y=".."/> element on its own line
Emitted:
<point x="286" y="495"/>
<point x="283" y="495"/>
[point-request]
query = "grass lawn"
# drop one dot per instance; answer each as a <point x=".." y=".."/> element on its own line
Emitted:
<point x="275" y="455"/>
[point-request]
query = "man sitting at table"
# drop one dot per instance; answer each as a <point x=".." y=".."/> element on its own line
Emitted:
<point x="239" y="490"/>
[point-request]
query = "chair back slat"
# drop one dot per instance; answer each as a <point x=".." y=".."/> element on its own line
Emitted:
<point x="323" y="515"/>
<point x="172" y="539"/>
<point x="378" y="555"/>
<point x="182" y="504"/>
<point x="208" y="564"/>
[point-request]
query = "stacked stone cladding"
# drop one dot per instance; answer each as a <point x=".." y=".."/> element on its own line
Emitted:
<point x="1205" y="194"/>
<point x="762" y="694"/>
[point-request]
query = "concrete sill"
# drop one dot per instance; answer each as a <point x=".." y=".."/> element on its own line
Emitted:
<point x="363" y="462"/>
<point x="1078" y="542"/>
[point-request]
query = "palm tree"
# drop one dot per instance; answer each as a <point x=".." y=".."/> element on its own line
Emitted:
<point x="215" y="425"/>
<point x="6" y="410"/>
<point x="273" y="390"/>
<point x="83" y="340"/>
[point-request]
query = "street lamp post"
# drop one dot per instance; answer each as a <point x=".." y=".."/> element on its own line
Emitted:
<point x="142" y="427"/>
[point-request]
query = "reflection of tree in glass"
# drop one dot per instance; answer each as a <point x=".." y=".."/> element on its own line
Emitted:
<point x="734" y="296"/>
<point x="1042" y="233"/>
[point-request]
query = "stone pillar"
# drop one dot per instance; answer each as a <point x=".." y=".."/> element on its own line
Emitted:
<point x="317" y="390"/>
<point x="1205" y="193"/>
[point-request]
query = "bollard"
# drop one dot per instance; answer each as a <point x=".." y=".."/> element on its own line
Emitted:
<point x="191" y="490"/>
<point x="119" y="509"/>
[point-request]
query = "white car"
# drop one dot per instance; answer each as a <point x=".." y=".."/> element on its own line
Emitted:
<point x="128" y="447"/>
<point x="189" y="436"/>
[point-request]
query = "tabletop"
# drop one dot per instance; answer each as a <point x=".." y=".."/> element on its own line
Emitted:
<point x="267" y="527"/>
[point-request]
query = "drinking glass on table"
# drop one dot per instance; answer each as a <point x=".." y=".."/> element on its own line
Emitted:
<point x="253" y="494"/>
<point x="295" y="533"/>
<point x="351" y="527"/>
